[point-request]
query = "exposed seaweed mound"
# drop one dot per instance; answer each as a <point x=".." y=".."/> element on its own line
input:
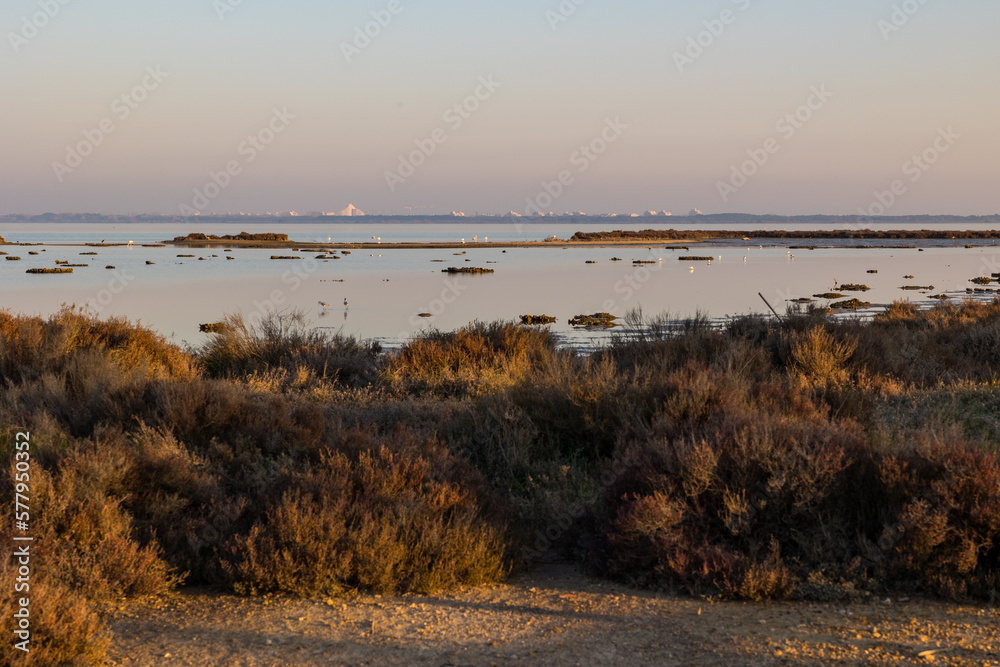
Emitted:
<point x="595" y="321"/>
<point x="242" y="236"/>
<point x="537" y="319"/>
<point x="472" y="270"/>
<point x="850" y="304"/>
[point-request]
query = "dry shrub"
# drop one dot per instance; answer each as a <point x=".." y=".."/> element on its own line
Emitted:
<point x="950" y="342"/>
<point x="30" y="346"/>
<point x="574" y="405"/>
<point x="371" y="515"/>
<point x="82" y="499"/>
<point x="771" y="507"/>
<point x="819" y="357"/>
<point x="90" y="388"/>
<point x="178" y="501"/>
<point x="199" y="412"/>
<point x="716" y="461"/>
<point x="84" y="552"/>
<point x="283" y="344"/>
<point x="940" y="517"/>
<point x="738" y="514"/>
<point x="470" y="360"/>
<point x="65" y="628"/>
<point x="691" y="399"/>
<point x="666" y="344"/>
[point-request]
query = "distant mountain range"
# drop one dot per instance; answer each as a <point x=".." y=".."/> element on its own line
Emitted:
<point x="656" y="221"/>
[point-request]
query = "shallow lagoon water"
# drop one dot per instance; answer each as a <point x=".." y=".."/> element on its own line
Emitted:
<point x="387" y="289"/>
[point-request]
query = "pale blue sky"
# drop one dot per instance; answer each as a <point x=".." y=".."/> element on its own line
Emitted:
<point x="353" y="121"/>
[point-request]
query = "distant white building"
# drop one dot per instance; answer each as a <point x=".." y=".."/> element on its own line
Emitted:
<point x="457" y="214"/>
<point x="695" y="211"/>
<point x="351" y="211"/>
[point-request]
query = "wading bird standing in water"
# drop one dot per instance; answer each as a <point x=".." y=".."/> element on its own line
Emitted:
<point x="324" y="304"/>
<point x="345" y="303"/>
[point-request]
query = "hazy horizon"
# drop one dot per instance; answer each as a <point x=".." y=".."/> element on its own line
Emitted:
<point x="733" y="105"/>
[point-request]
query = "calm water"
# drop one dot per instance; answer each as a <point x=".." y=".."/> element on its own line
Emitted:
<point x="388" y="289"/>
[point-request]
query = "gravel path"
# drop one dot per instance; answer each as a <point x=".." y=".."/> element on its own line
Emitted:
<point x="551" y="616"/>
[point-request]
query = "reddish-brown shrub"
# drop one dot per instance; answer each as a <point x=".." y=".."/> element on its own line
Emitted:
<point x="940" y="516"/>
<point x="370" y="516"/>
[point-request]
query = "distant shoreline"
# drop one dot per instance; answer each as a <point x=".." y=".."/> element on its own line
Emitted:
<point x="711" y="220"/>
<point x="838" y="234"/>
<point x="615" y="238"/>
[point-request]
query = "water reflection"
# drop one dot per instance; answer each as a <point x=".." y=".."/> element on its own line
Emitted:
<point x="404" y="292"/>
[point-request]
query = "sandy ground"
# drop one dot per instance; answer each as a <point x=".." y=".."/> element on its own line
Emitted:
<point x="551" y="616"/>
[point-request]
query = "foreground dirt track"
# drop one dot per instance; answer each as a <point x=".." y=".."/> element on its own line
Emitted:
<point x="552" y="616"/>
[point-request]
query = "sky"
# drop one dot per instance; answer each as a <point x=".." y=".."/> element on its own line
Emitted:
<point x="429" y="106"/>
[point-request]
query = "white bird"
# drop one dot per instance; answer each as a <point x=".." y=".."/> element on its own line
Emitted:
<point x="379" y="239"/>
<point x="486" y="239"/>
<point x="463" y="240"/>
<point x="744" y="258"/>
